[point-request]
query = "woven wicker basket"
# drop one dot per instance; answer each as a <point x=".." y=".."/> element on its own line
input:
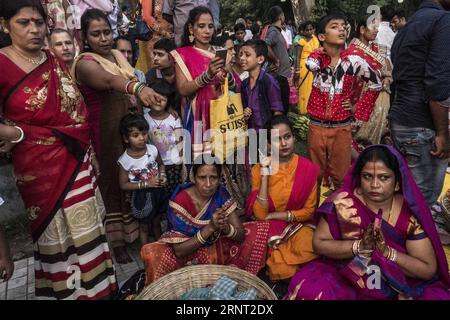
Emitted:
<point x="173" y="285"/>
<point x="445" y="205"/>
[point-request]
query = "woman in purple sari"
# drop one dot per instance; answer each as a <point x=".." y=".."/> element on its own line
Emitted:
<point x="376" y="237"/>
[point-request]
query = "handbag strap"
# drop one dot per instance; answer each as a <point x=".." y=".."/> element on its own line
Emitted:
<point x="226" y="91"/>
<point x="306" y="76"/>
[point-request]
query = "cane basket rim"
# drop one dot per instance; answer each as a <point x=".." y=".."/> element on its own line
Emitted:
<point x="173" y="285"/>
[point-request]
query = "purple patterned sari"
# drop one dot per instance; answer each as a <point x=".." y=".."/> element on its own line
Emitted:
<point x="348" y="218"/>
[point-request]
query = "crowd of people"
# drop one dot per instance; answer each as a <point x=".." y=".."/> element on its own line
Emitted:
<point x="96" y="120"/>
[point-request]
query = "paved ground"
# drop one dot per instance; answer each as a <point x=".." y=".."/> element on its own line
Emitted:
<point x="21" y="285"/>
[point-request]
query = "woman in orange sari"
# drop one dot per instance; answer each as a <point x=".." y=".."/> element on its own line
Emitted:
<point x="287" y="199"/>
<point x="53" y="162"/>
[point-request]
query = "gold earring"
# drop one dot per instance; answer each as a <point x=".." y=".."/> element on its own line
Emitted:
<point x="191" y="38"/>
<point x="6" y="31"/>
<point x="397" y="187"/>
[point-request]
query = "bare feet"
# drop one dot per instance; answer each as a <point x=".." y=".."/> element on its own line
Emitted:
<point x="121" y="255"/>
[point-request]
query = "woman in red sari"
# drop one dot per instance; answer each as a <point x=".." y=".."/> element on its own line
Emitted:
<point x="364" y="46"/>
<point x="52" y="161"/>
<point x="205" y="229"/>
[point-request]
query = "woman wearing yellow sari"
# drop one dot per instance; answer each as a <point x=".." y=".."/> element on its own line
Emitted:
<point x="303" y="77"/>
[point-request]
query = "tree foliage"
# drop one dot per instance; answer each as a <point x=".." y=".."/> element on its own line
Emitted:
<point x="353" y="9"/>
<point x="234" y="9"/>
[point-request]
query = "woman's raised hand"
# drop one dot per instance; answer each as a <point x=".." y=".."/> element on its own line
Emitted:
<point x="217" y="219"/>
<point x="149" y="97"/>
<point x="229" y="61"/>
<point x="215" y="66"/>
<point x="266" y="162"/>
<point x="380" y="242"/>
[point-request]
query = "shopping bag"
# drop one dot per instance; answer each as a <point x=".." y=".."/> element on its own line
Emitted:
<point x="228" y="126"/>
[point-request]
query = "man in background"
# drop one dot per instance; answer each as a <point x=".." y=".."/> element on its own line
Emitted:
<point x="419" y="115"/>
<point x="398" y="21"/>
<point x="385" y="35"/>
<point x="278" y="53"/>
<point x="61" y="43"/>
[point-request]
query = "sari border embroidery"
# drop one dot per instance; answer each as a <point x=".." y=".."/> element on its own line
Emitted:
<point x="182" y="65"/>
<point x="184" y="214"/>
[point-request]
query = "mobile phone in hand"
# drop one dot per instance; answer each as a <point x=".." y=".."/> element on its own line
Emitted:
<point x="222" y="54"/>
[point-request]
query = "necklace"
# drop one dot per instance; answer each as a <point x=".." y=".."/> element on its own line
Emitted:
<point x="35" y="61"/>
<point x="158" y="126"/>
<point x="210" y="48"/>
<point x="390" y="211"/>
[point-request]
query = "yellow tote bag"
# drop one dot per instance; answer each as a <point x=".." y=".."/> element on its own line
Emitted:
<point x="228" y="126"/>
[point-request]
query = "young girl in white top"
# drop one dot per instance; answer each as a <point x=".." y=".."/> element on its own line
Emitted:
<point x="165" y="133"/>
<point x="142" y="172"/>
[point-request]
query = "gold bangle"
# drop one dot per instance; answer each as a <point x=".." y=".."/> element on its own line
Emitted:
<point x="291" y="216"/>
<point x="126" y="86"/>
<point x="394" y="255"/>
<point x="262" y="199"/>
<point x="265" y="171"/>
<point x="232" y="232"/>
<point x="355" y="247"/>
<point x="21" y="137"/>
<point x="135" y="86"/>
<point x="200" y="238"/>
